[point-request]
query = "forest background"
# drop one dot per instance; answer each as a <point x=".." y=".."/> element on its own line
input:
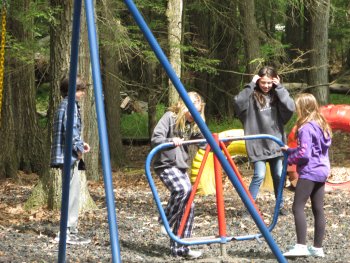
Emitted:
<point x="214" y="46"/>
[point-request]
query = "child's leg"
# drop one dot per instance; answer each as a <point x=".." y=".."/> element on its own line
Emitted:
<point x="258" y="177"/>
<point x="302" y="193"/>
<point x="74" y="196"/>
<point x="180" y="189"/>
<point x="317" y="202"/>
<point x="178" y="183"/>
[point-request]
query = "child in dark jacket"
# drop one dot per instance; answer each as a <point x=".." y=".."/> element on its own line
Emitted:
<point x="313" y="166"/>
<point x="170" y="165"/>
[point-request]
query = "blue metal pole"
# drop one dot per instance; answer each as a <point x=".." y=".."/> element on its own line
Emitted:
<point x="203" y="127"/>
<point x="69" y="131"/>
<point x="101" y="118"/>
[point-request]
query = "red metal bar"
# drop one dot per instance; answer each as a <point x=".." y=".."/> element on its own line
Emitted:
<point x="239" y="176"/>
<point x="193" y="192"/>
<point x="219" y="193"/>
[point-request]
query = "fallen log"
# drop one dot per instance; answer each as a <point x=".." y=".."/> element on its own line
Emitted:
<point x="340" y="88"/>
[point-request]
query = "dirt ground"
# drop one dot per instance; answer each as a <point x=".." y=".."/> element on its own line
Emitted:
<point x="27" y="236"/>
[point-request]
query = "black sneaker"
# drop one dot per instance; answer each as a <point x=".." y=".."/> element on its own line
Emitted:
<point x="283" y="212"/>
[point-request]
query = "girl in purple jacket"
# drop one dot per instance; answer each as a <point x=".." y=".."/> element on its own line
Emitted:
<point x="311" y="157"/>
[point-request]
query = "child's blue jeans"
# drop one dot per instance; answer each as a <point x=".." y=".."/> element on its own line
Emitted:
<point x="260" y="172"/>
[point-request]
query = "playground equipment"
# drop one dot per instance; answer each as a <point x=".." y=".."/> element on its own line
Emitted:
<point x="338" y="117"/>
<point x="236" y="149"/>
<point x="204" y="129"/>
<point x="222" y="238"/>
<point x="101" y="119"/>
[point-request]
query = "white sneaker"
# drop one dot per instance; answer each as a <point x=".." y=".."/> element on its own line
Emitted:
<point x="298" y="250"/>
<point x="73" y="239"/>
<point x="316" y="251"/>
<point x="192" y="254"/>
<point x="163" y="230"/>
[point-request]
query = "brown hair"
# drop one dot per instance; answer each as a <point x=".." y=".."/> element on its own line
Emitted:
<point x="81" y="85"/>
<point x="308" y="110"/>
<point x="269" y="72"/>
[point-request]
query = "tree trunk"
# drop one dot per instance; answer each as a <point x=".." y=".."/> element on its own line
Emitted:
<point x="152" y="97"/>
<point x="199" y="23"/>
<point x="88" y="109"/>
<point x="318" y="45"/>
<point x="49" y="189"/>
<point x="21" y="139"/>
<point x="174" y="14"/>
<point x="250" y="34"/>
<point x="111" y="84"/>
<point x="294" y="38"/>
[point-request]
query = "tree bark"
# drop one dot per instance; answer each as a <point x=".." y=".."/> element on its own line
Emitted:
<point x="152" y="96"/>
<point x="21" y="139"/>
<point x="49" y="189"/>
<point x="111" y="83"/>
<point x="294" y="38"/>
<point x="88" y="107"/>
<point x="318" y="12"/>
<point x="250" y="34"/>
<point x="174" y="15"/>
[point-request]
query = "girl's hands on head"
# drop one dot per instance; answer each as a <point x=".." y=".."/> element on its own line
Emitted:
<point x="276" y="81"/>
<point x="255" y="78"/>
<point x="177" y="141"/>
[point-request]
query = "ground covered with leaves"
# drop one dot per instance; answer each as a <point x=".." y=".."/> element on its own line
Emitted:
<point x="27" y="236"/>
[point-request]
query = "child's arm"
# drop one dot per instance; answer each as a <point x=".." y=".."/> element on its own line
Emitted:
<point x="302" y="153"/>
<point x="241" y="101"/>
<point x="160" y="133"/>
<point x="286" y="107"/>
<point x="78" y="143"/>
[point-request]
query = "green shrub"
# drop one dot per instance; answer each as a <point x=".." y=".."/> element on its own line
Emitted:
<point x="339" y="99"/>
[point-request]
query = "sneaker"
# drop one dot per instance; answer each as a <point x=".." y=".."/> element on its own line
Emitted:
<point x="163" y="230"/>
<point x="298" y="250"/>
<point x="74" y="239"/>
<point x="283" y="212"/>
<point x="192" y="254"/>
<point x="73" y="230"/>
<point x="316" y="251"/>
<point x="77" y="240"/>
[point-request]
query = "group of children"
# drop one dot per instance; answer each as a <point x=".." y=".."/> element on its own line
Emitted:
<point x="264" y="106"/>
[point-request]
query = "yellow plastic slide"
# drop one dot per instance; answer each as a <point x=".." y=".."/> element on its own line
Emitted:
<point x="235" y="148"/>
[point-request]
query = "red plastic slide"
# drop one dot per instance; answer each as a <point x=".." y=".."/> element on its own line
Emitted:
<point x="338" y="117"/>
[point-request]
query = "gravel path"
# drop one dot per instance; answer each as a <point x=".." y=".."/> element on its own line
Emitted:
<point x="141" y="240"/>
<point x="28" y="236"/>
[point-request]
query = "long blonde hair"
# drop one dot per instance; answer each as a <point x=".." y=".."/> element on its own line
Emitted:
<point x="308" y="110"/>
<point x="180" y="109"/>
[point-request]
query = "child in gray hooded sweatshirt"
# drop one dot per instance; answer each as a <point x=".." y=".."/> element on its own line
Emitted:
<point x="170" y="165"/>
<point x="264" y="106"/>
